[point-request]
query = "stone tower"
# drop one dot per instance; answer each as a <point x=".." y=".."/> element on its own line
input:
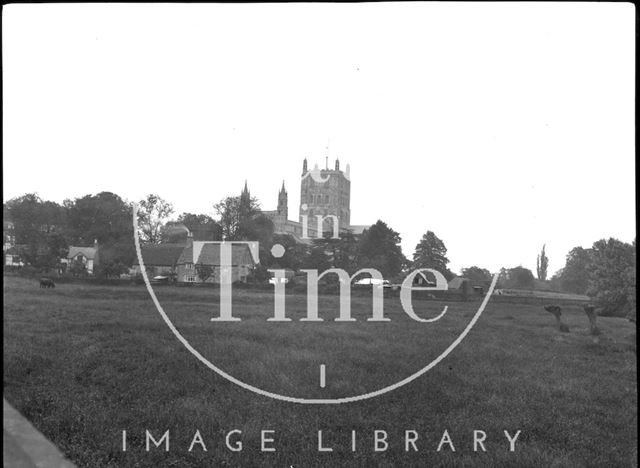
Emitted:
<point x="325" y="192"/>
<point x="283" y="208"/>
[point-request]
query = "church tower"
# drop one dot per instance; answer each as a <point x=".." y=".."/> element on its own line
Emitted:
<point x="326" y="192"/>
<point x="283" y="208"/>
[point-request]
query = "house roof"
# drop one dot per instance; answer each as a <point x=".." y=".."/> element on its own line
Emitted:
<point x="210" y="254"/>
<point x="89" y="252"/>
<point x="456" y="283"/>
<point x="161" y="254"/>
<point x="186" y="256"/>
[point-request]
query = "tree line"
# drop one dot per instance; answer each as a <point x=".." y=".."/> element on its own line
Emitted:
<point x="45" y="230"/>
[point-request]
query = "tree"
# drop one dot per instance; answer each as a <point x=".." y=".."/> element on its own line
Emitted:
<point x="556" y="280"/>
<point x="476" y="274"/>
<point x="174" y="232"/>
<point x="610" y="277"/>
<point x="318" y="258"/>
<point x="574" y="277"/>
<point x="542" y="262"/>
<point x="111" y="269"/>
<point x="379" y="248"/>
<point x="153" y="213"/>
<point x="104" y="217"/>
<point x="235" y="216"/>
<point x="203" y="227"/>
<point x="39" y="226"/>
<point x="204" y="271"/>
<point x="295" y="254"/>
<point x="432" y="253"/>
<point x="56" y="249"/>
<point x="517" y="277"/>
<point x="78" y="268"/>
<point x="629" y="280"/>
<point x="344" y="252"/>
<point x="522" y="277"/>
<point x="116" y="258"/>
<point x="258" y="228"/>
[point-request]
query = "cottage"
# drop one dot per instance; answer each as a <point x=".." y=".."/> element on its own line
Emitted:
<point x="87" y="257"/>
<point x="200" y="262"/>
<point x="159" y="259"/>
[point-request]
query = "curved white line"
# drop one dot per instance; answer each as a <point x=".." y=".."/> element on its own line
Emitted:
<point x="277" y="396"/>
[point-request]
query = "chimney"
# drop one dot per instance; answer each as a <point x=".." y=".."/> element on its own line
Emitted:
<point x="304" y="166"/>
<point x="337" y="164"/>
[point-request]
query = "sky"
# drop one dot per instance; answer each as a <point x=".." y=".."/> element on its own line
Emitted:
<point x="500" y="127"/>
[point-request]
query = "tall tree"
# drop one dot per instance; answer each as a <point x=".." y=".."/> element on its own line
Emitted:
<point x="153" y="213"/>
<point x="379" y="248"/>
<point x="542" y="263"/>
<point x="432" y="253"/>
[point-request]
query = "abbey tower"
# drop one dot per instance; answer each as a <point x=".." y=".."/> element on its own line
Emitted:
<point x="325" y="192"/>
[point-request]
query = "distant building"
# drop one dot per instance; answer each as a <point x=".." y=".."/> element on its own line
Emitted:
<point x="323" y="192"/>
<point x="200" y="262"/>
<point x="89" y="257"/>
<point x="10" y="250"/>
<point x="159" y="259"/>
<point x="188" y="262"/>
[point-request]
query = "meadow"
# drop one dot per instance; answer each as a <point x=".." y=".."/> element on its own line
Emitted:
<point x="85" y="362"/>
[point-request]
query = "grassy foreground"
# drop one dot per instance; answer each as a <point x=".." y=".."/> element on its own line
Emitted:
<point x="85" y="362"/>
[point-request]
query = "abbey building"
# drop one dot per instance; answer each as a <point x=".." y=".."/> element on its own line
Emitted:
<point x="324" y="205"/>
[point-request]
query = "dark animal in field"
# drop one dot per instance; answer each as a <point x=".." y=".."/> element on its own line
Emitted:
<point x="557" y="312"/>
<point x="591" y="315"/>
<point x="47" y="283"/>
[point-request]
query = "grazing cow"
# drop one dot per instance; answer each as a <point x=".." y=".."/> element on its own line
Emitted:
<point x="557" y="311"/>
<point x="47" y="283"/>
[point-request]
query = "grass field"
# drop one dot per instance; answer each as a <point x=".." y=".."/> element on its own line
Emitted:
<point x="85" y="362"/>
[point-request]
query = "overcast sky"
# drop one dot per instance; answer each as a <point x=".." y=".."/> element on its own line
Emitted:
<point x="500" y="127"/>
